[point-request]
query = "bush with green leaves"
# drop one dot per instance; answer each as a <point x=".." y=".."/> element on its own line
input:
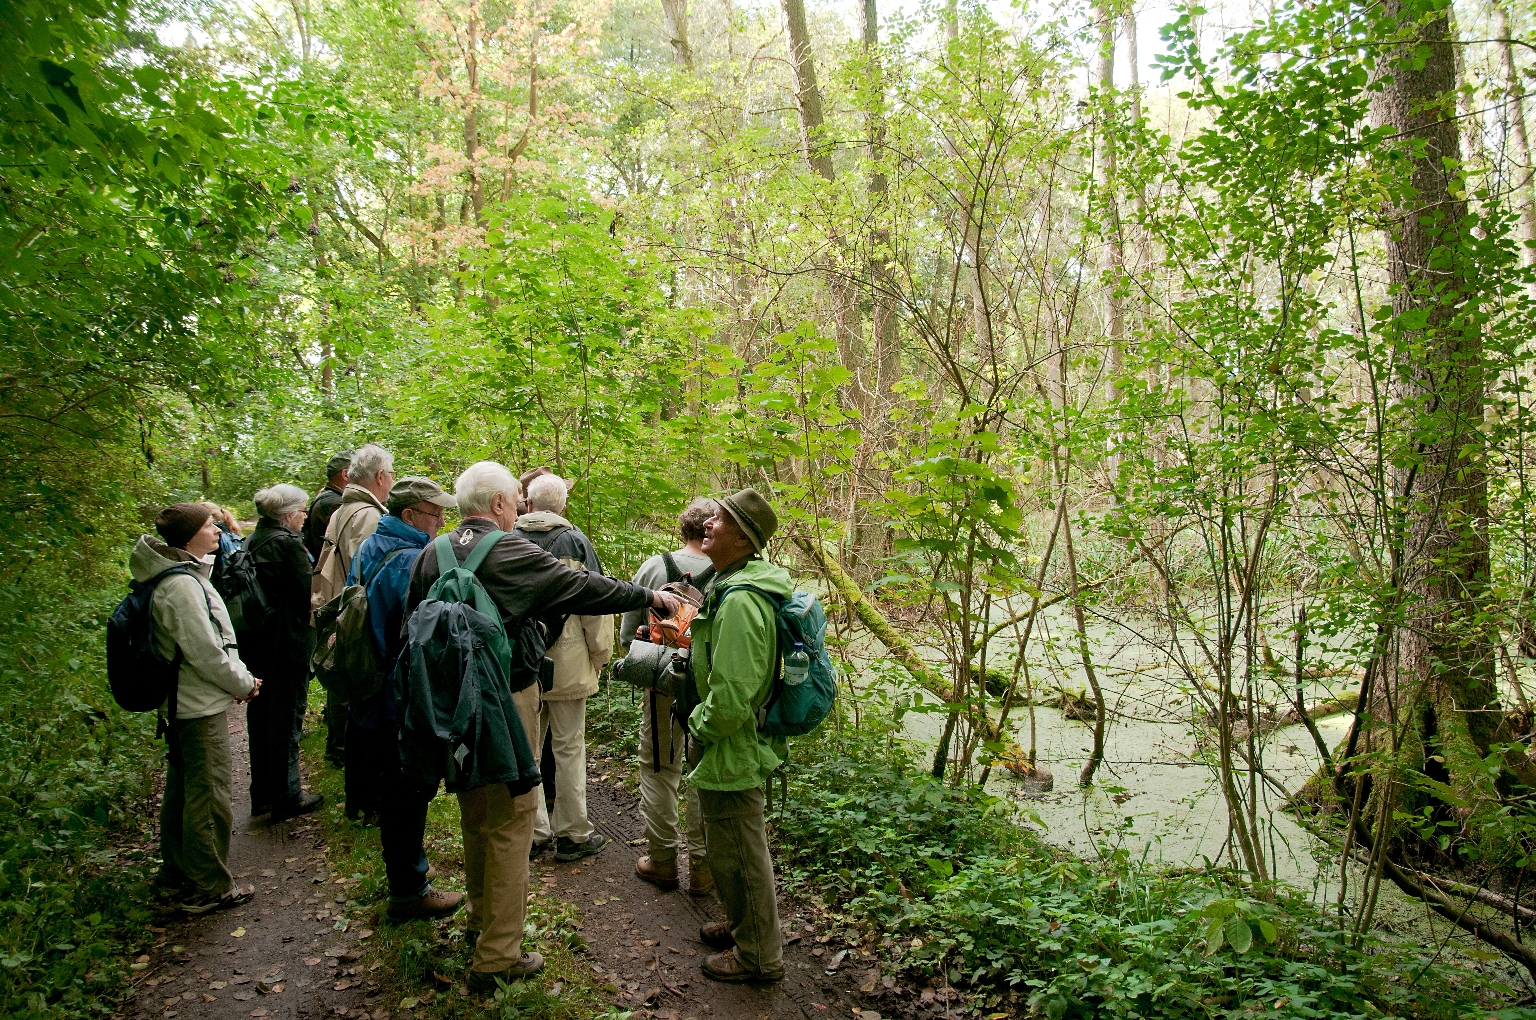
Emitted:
<point x="963" y="890"/>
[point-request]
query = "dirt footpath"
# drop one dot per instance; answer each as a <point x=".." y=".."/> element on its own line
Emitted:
<point x="297" y="950"/>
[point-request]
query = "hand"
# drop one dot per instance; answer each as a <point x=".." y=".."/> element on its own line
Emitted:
<point x="666" y="602"/>
<point x="254" y="690"/>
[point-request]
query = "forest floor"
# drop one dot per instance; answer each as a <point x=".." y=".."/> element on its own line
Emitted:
<point x="299" y="952"/>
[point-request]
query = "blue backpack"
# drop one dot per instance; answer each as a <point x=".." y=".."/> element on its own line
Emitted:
<point x="795" y="709"/>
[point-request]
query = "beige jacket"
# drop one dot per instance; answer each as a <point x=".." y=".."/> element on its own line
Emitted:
<point x="190" y="615"/>
<point x="351" y="524"/>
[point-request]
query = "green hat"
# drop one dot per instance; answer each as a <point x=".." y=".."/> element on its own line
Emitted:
<point x="413" y="489"/>
<point x="338" y="463"/>
<point x="752" y="515"/>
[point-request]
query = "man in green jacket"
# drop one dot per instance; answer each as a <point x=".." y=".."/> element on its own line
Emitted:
<point x="734" y="655"/>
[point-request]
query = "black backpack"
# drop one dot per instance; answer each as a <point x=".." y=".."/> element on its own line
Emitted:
<point x="243" y="596"/>
<point x="141" y="679"/>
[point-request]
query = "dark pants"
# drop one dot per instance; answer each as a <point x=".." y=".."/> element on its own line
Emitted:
<point x="402" y="823"/>
<point x="373" y="768"/>
<point x="274" y="722"/>
<point x="195" y="814"/>
<point x="335" y="731"/>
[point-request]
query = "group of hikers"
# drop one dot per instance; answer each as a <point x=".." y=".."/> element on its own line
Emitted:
<point x="370" y="534"/>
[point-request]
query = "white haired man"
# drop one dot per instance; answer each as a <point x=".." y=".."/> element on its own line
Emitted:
<point x="370" y="475"/>
<point x="579" y="646"/>
<point x="524" y="581"/>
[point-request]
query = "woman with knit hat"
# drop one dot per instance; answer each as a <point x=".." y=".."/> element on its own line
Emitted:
<point x="278" y="649"/>
<point x="192" y="625"/>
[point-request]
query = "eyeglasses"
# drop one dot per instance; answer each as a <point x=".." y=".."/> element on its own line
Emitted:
<point x="425" y="513"/>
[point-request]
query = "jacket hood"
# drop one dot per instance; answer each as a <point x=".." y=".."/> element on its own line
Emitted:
<point x="358" y="494"/>
<point x="541" y="520"/>
<point x="761" y="574"/>
<point x="402" y="533"/>
<point x="152" y="557"/>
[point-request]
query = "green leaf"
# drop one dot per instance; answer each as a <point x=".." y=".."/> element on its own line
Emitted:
<point x="1213" y="938"/>
<point x="1268" y="931"/>
<point x="1238" y="934"/>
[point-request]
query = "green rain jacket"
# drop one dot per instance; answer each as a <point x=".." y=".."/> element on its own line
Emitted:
<point x="733" y="663"/>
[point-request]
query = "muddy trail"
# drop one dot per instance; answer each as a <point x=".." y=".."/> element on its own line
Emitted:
<point x="297" y="951"/>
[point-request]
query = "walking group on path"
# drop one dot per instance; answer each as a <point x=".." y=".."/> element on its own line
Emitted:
<point x="490" y="638"/>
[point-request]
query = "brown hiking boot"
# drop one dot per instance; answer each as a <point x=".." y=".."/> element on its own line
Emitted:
<point x="701" y="881"/>
<point x="485" y="981"/>
<point x="725" y="967"/>
<point x="436" y="903"/>
<point x="661" y="875"/>
<point x="717" y="935"/>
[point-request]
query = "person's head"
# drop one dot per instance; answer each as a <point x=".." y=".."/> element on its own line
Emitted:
<point x="741" y="526"/>
<point x="419" y="502"/>
<point x="189" y="527"/>
<point x="223" y="518"/>
<point x="548" y="492"/>
<point x="690" y="523"/>
<point x="525" y="480"/>
<point x="286" y="504"/>
<point x="373" y="467"/>
<point x="337" y="472"/>
<point x="487" y="489"/>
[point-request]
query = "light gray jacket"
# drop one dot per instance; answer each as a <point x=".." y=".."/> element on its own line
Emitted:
<point x="190" y="615"/>
<point x="653" y="574"/>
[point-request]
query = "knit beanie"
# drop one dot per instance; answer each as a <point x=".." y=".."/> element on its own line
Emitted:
<point x="178" y="522"/>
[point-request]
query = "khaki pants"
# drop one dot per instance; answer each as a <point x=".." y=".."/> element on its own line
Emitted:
<point x="743" y="870"/>
<point x="567" y="721"/>
<point x="498" y="832"/>
<point x="196" y="813"/>
<point x="658" y="789"/>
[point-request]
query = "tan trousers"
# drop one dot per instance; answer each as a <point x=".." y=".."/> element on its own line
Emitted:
<point x="196" y="814"/>
<point x="658" y="789"/>
<point x="743" y="870"/>
<point x="567" y="722"/>
<point x="498" y="832"/>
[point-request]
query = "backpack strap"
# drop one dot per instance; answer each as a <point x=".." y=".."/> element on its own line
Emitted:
<point x="674" y="573"/>
<point x="379" y="568"/>
<point x="446" y="560"/>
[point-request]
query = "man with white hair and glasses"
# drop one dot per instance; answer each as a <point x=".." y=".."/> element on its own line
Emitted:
<point x="525" y="582"/>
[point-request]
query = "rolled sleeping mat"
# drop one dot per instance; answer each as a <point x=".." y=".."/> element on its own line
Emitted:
<point x="646" y="666"/>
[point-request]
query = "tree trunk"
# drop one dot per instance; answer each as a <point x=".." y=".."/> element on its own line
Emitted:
<point x="1114" y="250"/>
<point x="472" y="113"/>
<point x="1438" y="684"/>
<point x="1518" y="139"/>
<point x="674" y="16"/>
<point x="807" y="91"/>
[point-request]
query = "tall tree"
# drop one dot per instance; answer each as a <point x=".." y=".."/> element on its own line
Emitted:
<point x="674" y="16"/>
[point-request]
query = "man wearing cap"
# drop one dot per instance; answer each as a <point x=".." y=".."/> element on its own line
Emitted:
<point x="734" y="654"/>
<point x="196" y="813"/>
<point x="325" y="502"/>
<point x="373" y="782"/>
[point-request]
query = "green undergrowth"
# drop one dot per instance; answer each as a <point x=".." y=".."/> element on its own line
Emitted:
<point x="76" y="802"/>
<point x="421" y="964"/>
<point x="955" y="888"/>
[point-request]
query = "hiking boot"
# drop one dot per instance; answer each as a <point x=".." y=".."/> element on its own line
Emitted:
<point x="540" y="847"/>
<point x="306" y="803"/>
<point x="701" y="881"/>
<point x="661" y="875"/>
<point x="725" y="967"/>
<point x="485" y="981"/>
<point x="717" y="935"/>
<point x="257" y="810"/>
<point x="436" y="903"/>
<point x="207" y="903"/>
<point x="567" y="850"/>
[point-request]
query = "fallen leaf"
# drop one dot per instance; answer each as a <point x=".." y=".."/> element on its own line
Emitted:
<point x="238" y="933"/>
<point x="365" y="933"/>
<point x="409" y="1002"/>
<point x="240" y="979"/>
<point x="216" y="985"/>
<point x="312" y="961"/>
<point x="142" y="959"/>
<point x="818" y="951"/>
<point x="244" y="996"/>
<point x="268" y="873"/>
<point x="259" y="1011"/>
<point x="868" y="981"/>
<point x="837" y="959"/>
<point x="210" y="998"/>
<point x="648" y="942"/>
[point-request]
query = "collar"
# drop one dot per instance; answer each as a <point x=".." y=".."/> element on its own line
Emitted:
<point x="731" y="568"/>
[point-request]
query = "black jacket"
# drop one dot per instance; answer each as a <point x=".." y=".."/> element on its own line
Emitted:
<point x="280" y="649"/>
<point x="320" y="509"/>
<point x="527" y="583"/>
